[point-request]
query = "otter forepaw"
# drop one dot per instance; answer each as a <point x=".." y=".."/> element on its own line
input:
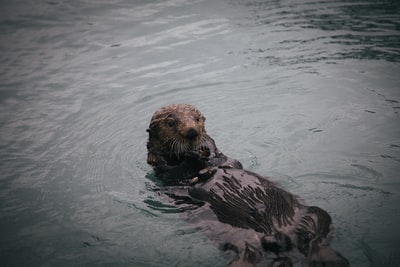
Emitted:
<point x="204" y="151"/>
<point x="206" y="173"/>
<point x="192" y="155"/>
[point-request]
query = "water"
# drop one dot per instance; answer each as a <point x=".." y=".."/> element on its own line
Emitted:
<point x="304" y="91"/>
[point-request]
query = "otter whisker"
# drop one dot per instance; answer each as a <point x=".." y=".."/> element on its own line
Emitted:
<point x="168" y="140"/>
<point x="181" y="147"/>
<point x="173" y="148"/>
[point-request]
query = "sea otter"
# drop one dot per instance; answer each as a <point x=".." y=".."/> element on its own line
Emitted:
<point x="250" y="215"/>
<point x="177" y="138"/>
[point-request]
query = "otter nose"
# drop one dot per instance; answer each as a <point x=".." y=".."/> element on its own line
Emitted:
<point x="191" y="133"/>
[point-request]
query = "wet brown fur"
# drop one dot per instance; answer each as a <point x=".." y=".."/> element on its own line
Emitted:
<point x="170" y="125"/>
<point x="262" y="223"/>
<point x="179" y="145"/>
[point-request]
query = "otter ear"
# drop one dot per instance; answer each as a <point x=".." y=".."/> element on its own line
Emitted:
<point x="204" y="118"/>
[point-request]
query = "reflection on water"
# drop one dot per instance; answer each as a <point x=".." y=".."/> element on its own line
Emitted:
<point x="335" y="30"/>
<point x="303" y="91"/>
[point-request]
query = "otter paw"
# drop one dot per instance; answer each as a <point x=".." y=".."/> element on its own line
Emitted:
<point x="204" y="151"/>
<point x="192" y="155"/>
<point x="206" y="173"/>
<point x="196" y="156"/>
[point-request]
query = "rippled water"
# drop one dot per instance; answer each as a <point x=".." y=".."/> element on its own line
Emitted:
<point x="304" y="91"/>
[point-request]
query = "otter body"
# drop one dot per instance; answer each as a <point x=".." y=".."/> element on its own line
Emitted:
<point x="263" y="224"/>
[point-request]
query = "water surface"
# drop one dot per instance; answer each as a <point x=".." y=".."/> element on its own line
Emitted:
<point x="306" y="92"/>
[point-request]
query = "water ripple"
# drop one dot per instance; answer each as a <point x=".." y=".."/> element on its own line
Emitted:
<point x="304" y="90"/>
<point x="330" y="31"/>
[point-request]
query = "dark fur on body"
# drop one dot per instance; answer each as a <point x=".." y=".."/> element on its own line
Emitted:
<point x="263" y="224"/>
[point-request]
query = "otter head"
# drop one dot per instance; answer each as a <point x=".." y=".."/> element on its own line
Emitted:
<point x="175" y="130"/>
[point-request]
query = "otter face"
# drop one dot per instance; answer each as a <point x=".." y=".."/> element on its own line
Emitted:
<point x="177" y="128"/>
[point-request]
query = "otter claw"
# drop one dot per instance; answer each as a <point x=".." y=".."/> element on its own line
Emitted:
<point x="193" y="180"/>
<point x="206" y="173"/>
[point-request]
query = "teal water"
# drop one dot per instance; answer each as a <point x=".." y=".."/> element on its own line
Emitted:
<point x="306" y="92"/>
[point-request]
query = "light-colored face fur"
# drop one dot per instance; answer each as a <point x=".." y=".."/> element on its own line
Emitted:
<point x="177" y="128"/>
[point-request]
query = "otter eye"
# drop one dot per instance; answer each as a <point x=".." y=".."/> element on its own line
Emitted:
<point x="171" y="123"/>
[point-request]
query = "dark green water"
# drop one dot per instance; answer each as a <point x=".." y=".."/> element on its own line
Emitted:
<point x="307" y="92"/>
